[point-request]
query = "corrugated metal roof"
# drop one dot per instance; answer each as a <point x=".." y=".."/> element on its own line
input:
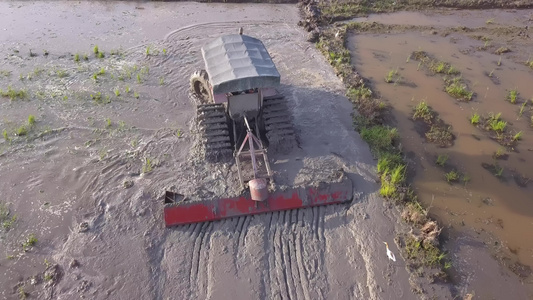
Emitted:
<point x="239" y="62"/>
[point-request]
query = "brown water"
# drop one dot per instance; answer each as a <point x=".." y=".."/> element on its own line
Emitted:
<point x="501" y="207"/>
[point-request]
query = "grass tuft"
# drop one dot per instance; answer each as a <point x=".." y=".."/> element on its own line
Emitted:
<point x="6" y="135"/>
<point x="452" y="176"/>
<point x="458" y="90"/>
<point x="31" y="240"/>
<point x="31" y="120"/>
<point x="442" y="159"/>
<point x="6" y="218"/>
<point x="379" y="138"/>
<point x="22" y="130"/>
<point x="423" y="111"/>
<point x="513" y="96"/>
<point x="475" y="118"/>
<point x="147" y="165"/>
<point x="517" y="136"/>
<point x="13" y="94"/>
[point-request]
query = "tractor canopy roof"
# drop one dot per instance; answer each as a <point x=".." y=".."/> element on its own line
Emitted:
<point x="238" y="62"/>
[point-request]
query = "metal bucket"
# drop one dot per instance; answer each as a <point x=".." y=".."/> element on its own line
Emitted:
<point x="258" y="189"/>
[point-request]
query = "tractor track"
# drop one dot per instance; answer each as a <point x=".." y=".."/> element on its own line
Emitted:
<point x="199" y="231"/>
<point x="204" y="256"/>
<point x="285" y="256"/>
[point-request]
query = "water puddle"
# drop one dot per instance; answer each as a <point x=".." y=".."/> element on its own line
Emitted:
<point x="501" y="205"/>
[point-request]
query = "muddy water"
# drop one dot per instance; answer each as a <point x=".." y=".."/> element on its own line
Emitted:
<point x="453" y="18"/>
<point x="486" y="203"/>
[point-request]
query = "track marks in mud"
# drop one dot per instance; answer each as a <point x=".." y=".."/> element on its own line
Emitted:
<point x="199" y="238"/>
<point x="294" y="257"/>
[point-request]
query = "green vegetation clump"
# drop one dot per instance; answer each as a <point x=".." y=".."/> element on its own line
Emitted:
<point x="424" y="252"/>
<point x="147" y="165"/>
<point x="458" y="90"/>
<point x="442" y="159"/>
<point x="31" y="120"/>
<point x="13" y="94"/>
<point x="361" y="92"/>
<point x="5" y="134"/>
<point x="475" y="118"/>
<point x="31" y="240"/>
<point x="424" y="112"/>
<point x="513" y="96"/>
<point x="6" y="218"/>
<point x="392" y="76"/>
<point x="22" y="130"/>
<point x="440" y="135"/>
<point x="379" y="138"/>
<point x="452" y="176"/>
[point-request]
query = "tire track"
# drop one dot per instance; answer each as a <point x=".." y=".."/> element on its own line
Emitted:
<point x="244" y="231"/>
<point x="299" y="248"/>
<point x="295" y="270"/>
<point x="271" y="261"/>
<point x="202" y="279"/>
<point x="279" y="262"/>
<point x="199" y="232"/>
<point x="315" y="222"/>
<point x="286" y="255"/>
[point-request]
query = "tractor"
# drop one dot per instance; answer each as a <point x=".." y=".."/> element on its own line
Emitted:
<point x="241" y="115"/>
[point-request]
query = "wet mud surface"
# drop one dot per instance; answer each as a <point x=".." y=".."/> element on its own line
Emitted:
<point x="491" y="208"/>
<point x="112" y="132"/>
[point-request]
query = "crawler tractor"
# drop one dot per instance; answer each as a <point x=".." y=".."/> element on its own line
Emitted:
<point x="241" y="115"/>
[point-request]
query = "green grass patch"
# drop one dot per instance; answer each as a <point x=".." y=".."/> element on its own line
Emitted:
<point x="452" y="176"/>
<point x="5" y="134"/>
<point x="512" y="96"/>
<point x="424" y="112"/>
<point x="31" y="120"/>
<point x="30" y="241"/>
<point x="361" y="92"/>
<point x="148" y="165"/>
<point x="458" y="90"/>
<point x="392" y="76"/>
<point x="425" y="253"/>
<point x="379" y="138"/>
<point x="517" y="136"/>
<point x="12" y="93"/>
<point x="497" y="125"/>
<point x="475" y="118"/>
<point x="388" y="161"/>
<point x="7" y="219"/>
<point x="22" y="130"/>
<point x="441" y="160"/>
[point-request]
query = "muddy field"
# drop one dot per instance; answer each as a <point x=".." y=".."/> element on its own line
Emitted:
<point x="97" y="124"/>
<point x="93" y="140"/>
<point x="491" y="194"/>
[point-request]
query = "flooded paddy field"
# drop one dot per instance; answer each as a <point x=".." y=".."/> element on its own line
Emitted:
<point x="97" y="124"/>
<point x="480" y="183"/>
